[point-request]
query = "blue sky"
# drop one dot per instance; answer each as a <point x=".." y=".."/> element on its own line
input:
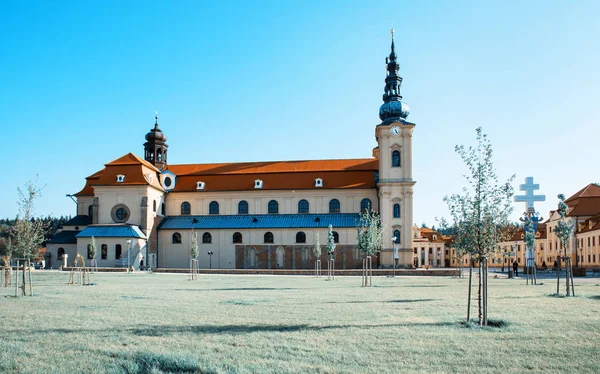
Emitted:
<point x="80" y="82"/>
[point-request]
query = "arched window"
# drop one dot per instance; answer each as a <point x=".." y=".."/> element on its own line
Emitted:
<point x="365" y="205"/>
<point x="165" y="157"/>
<point x="397" y="235"/>
<point x="206" y="238"/>
<point x="213" y="207"/>
<point x="186" y="208"/>
<point x="237" y="237"/>
<point x="396" y="210"/>
<point x="163" y="209"/>
<point x="396" y="159"/>
<point x="300" y="237"/>
<point x="176" y="238"/>
<point x="90" y="211"/>
<point x="334" y="206"/>
<point x="303" y="206"/>
<point x="336" y="237"/>
<point x="89" y="248"/>
<point x="118" y="251"/>
<point x="268" y="237"/>
<point x="280" y="257"/>
<point x="159" y="156"/>
<point x="104" y="252"/>
<point x="154" y="206"/>
<point x="273" y="207"/>
<point x="61" y="253"/>
<point x="243" y="207"/>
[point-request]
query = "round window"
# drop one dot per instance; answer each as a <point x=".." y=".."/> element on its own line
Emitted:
<point x="120" y="213"/>
<point x="168" y="181"/>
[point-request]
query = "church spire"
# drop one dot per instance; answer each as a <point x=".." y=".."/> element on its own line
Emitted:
<point x="393" y="109"/>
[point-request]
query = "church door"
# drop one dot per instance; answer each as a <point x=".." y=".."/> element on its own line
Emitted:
<point x="280" y="257"/>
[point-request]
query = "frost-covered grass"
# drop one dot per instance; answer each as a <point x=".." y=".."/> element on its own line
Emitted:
<point x="141" y="323"/>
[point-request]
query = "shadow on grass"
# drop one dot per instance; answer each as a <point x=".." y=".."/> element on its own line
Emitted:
<point x="424" y="286"/>
<point x="235" y="289"/>
<point x="145" y="362"/>
<point x="385" y="301"/>
<point x="492" y="324"/>
<point x="595" y="297"/>
<point x="169" y="330"/>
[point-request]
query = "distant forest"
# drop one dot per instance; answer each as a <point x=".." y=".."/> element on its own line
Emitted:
<point x="51" y="225"/>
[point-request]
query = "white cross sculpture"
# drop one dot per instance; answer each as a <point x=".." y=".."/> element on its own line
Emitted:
<point x="529" y="198"/>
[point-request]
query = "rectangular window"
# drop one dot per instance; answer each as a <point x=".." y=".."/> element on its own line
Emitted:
<point x="550" y="245"/>
<point x="104" y="252"/>
<point x="589" y="241"/>
<point x="589" y="258"/>
<point x="594" y="241"/>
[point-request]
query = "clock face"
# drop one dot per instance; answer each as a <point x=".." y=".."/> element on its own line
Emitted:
<point x="395" y="130"/>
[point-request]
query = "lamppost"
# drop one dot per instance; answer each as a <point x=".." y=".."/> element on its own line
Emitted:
<point x="128" y="258"/>
<point x="210" y="254"/>
<point x="395" y="254"/>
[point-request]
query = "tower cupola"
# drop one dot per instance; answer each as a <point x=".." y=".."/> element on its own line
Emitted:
<point x="393" y="109"/>
<point x="155" y="147"/>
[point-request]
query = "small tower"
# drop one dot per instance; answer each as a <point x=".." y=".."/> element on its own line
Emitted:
<point x="155" y="148"/>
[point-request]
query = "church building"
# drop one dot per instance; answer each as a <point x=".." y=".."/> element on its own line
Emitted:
<point x="144" y="211"/>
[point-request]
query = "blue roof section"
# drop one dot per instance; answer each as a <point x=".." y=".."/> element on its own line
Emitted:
<point x="261" y="221"/>
<point x="100" y="231"/>
<point x="64" y="237"/>
<point x="79" y="221"/>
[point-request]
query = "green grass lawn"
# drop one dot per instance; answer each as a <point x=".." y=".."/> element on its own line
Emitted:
<point x="140" y="323"/>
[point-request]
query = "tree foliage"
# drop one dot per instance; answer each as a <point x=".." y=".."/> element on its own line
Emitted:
<point x="330" y="240"/>
<point x="317" y="247"/>
<point x="92" y="249"/>
<point x="564" y="227"/>
<point x="27" y="233"/>
<point x="370" y="233"/>
<point x="194" y="251"/>
<point x="484" y="205"/>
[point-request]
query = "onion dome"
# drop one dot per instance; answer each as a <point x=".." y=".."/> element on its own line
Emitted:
<point x="156" y="134"/>
<point x="393" y="109"/>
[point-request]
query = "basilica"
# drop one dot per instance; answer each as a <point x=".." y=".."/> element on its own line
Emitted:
<point x="144" y="211"/>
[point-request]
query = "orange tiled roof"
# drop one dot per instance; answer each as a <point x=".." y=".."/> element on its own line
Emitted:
<point x="277" y="175"/>
<point x="595" y="224"/>
<point x="363" y="164"/>
<point x="128" y="165"/>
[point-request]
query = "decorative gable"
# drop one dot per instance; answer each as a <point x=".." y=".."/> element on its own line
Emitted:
<point x="318" y="182"/>
<point x="258" y="183"/>
<point x="120" y="178"/>
<point x="200" y="185"/>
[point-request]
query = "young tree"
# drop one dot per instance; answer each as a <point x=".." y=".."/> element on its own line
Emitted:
<point x="317" y="248"/>
<point x="370" y="233"/>
<point x="479" y="211"/>
<point x="27" y="233"/>
<point x="330" y="240"/>
<point x="564" y="231"/>
<point x="194" y="251"/>
<point x="92" y="249"/>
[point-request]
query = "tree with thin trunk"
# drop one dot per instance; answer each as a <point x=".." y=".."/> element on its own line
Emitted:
<point x="27" y="233"/>
<point x="482" y="207"/>
<point x="317" y="253"/>
<point x="564" y="230"/>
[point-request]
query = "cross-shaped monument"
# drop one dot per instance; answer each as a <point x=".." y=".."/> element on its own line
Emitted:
<point x="531" y="219"/>
<point x="529" y="198"/>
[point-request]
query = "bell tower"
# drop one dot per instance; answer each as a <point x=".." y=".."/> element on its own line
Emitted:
<point x="396" y="185"/>
<point x="155" y="147"/>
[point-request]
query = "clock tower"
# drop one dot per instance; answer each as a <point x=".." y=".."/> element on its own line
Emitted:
<point x="395" y="185"/>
